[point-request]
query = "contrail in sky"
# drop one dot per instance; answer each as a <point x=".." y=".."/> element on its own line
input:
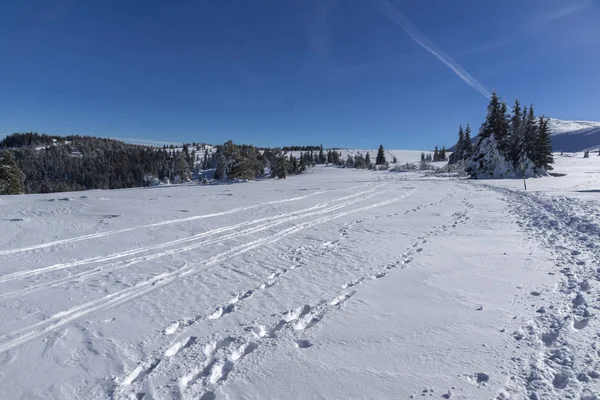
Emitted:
<point x="399" y="19"/>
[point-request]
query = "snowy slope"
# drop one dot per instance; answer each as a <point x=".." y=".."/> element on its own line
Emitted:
<point x="331" y="284"/>
<point x="574" y="135"/>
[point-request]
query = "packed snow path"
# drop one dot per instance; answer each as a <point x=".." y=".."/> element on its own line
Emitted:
<point x="333" y="284"/>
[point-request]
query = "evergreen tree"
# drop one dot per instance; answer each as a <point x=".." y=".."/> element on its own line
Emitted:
<point x="329" y="157"/>
<point x="488" y="162"/>
<point x="380" y="159"/>
<point x="516" y="131"/>
<point x="492" y="120"/>
<point x="335" y="158"/>
<point x="422" y="157"/>
<point x="460" y="147"/>
<point x="206" y="160"/>
<point x="279" y="166"/>
<point x="468" y="149"/>
<point x="443" y="153"/>
<point x="321" y="158"/>
<point x="350" y="161"/>
<point x="544" y="157"/>
<point x="394" y="160"/>
<point x="586" y="154"/>
<point x="11" y="177"/>
<point x="182" y="169"/>
<point x="360" y="162"/>
<point x="530" y="130"/>
<point x="502" y="134"/>
<point x="292" y="165"/>
<point x="368" y="160"/>
<point x="436" y="154"/>
<point x="302" y="163"/>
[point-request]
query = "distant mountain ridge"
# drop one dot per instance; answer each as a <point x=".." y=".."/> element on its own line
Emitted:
<point x="574" y="135"/>
<point x="570" y="136"/>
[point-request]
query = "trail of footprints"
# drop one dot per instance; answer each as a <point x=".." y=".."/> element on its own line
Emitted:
<point x="562" y="368"/>
<point x="216" y="358"/>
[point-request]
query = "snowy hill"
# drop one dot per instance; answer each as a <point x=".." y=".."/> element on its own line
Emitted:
<point x="574" y="135"/>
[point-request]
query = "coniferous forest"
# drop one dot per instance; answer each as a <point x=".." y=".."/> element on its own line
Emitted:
<point x="40" y="163"/>
<point x="510" y="144"/>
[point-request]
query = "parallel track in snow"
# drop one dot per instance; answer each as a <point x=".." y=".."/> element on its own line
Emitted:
<point x="153" y="225"/>
<point x="24" y="335"/>
<point x="266" y="223"/>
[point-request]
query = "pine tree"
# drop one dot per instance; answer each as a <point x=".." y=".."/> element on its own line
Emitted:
<point x="11" y="177"/>
<point x="380" y="159"/>
<point x="502" y="134"/>
<point x="292" y="165"/>
<point x="350" y="161"/>
<point x="329" y="157"/>
<point x="368" y="160"/>
<point x="335" y="158"/>
<point x="394" y="160"/>
<point x="468" y="143"/>
<point x="321" y="158"/>
<point x="359" y="162"/>
<point x="544" y="157"/>
<point x="460" y="147"/>
<point x="422" y="157"/>
<point x="279" y="166"/>
<point x="530" y="133"/>
<point x="492" y="120"/>
<point x="443" y="154"/>
<point x="516" y="131"/>
<point x="436" y="154"/>
<point x="302" y="163"/>
<point x="586" y="154"/>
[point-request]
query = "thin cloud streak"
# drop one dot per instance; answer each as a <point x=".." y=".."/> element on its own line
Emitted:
<point x="568" y="10"/>
<point x="411" y="30"/>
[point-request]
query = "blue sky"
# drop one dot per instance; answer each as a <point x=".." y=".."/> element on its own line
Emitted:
<point x="348" y="73"/>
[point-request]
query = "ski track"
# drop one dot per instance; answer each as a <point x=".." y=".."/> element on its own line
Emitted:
<point x="161" y="223"/>
<point x="563" y="338"/>
<point x="266" y="221"/>
<point x="216" y="366"/>
<point x="58" y="320"/>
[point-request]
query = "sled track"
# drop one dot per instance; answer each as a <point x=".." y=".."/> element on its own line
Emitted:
<point x="272" y="221"/>
<point x="58" y="320"/>
<point x="155" y="224"/>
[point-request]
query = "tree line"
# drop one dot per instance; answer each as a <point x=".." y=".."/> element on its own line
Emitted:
<point x="511" y="144"/>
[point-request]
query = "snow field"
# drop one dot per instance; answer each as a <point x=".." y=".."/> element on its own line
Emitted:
<point x="333" y="284"/>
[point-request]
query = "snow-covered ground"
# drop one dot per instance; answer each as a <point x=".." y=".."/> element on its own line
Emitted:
<point x="337" y="283"/>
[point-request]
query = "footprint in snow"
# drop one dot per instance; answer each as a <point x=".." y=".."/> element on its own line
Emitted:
<point x="302" y="344"/>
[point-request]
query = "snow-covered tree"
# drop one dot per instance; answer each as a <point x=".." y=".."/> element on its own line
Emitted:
<point x="368" y="160"/>
<point x="543" y="156"/>
<point x="279" y="166"/>
<point x="11" y="177"/>
<point x="488" y="162"/>
<point x="349" y="161"/>
<point x="360" y="162"/>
